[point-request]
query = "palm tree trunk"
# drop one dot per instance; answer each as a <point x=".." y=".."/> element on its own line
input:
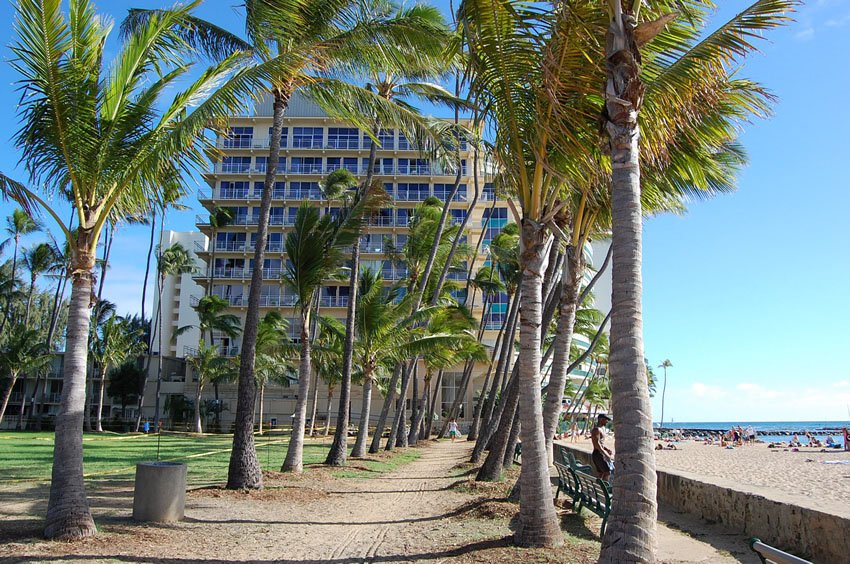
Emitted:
<point x="262" y="401"/>
<point x="7" y="393"/>
<point x="630" y="534"/>
<point x="339" y="448"/>
<point x="68" y="515"/>
<point x="561" y="345"/>
<point x="398" y="419"/>
<point x="538" y="524"/>
<point x="420" y="414"/>
<point x="330" y="405"/>
<point x="23" y="406"/>
<point x="99" y="416"/>
<point x="413" y="432"/>
<point x="148" y="264"/>
<point x="359" y="449"/>
<point x="315" y="404"/>
<point x="29" y="302"/>
<point x="199" y="390"/>
<point x="14" y="270"/>
<point x="513" y="439"/>
<point x="385" y="410"/>
<point x="157" y="402"/>
<point x="491" y="470"/>
<point x="245" y="471"/>
<point x="663" y="393"/>
<point x="295" y="451"/>
<point x="475" y="428"/>
<point x="432" y="409"/>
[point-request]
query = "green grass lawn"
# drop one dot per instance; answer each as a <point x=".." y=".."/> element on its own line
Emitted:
<point x="28" y="456"/>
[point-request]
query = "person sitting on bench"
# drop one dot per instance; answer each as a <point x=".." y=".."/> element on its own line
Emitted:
<point x="601" y="454"/>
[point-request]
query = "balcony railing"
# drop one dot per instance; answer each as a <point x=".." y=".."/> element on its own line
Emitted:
<point x="242" y="273"/>
<point x="333" y="301"/>
<point x="220" y="349"/>
<point x="409" y="170"/>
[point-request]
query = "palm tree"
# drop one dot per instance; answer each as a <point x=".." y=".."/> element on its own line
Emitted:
<point x="314" y="252"/>
<point x="114" y="343"/>
<point x="98" y="133"/>
<point x="38" y="259"/>
<point x="665" y="365"/>
<point x="208" y="365"/>
<point x="23" y="351"/>
<point x="19" y="224"/>
<point x="272" y="352"/>
<point x="211" y="317"/>
<point x="300" y="44"/>
<point x="173" y="261"/>
<point x="630" y="531"/>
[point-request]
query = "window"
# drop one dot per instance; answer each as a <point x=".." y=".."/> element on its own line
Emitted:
<point x="284" y="134"/>
<point x="459" y="272"/>
<point x="307" y="137"/>
<point x="230" y="241"/>
<point x="304" y="191"/>
<point x="386" y="138"/>
<point x="488" y="194"/>
<point x="291" y="212"/>
<point x="239" y="215"/>
<point x="261" y="163"/>
<point x="442" y="191"/>
<point x="498" y="219"/>
<point x="403" y="217"/>
<point x="498" y="304"/>
<point x="386" y="166"/>
<point x="276" y="216"/>
<point x="348" y="163"/>
<point x="460" y="195"/>
<point x="234" y="190"/>
<point x="343" y="138"/>
<point x="457" y="217"/>
<point x="305" y="165"/>
<point x="235" y="164"/>
<point x="451" y="389"/>
<point x="403" y="143"/>
<point x="239" y="138"/>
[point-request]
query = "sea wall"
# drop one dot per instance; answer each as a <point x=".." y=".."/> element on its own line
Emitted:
<point x="807" y="532"/>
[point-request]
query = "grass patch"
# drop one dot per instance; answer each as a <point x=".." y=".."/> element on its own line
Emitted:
<point x="28" y="457"/>
<point x="379" y="464"/>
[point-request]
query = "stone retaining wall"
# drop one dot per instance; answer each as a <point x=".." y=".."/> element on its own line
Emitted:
<point x="804" y="531"/>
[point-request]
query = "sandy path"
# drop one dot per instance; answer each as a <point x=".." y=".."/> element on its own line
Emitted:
<point x="410" y="514"/>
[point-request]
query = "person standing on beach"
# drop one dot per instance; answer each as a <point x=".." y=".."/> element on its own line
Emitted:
<point x="601" y="456"/>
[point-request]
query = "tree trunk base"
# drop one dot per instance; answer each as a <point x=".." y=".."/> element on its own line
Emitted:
<point x="70" y="525"/>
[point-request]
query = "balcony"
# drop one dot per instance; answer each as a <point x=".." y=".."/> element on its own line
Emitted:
<point x="333" y="301"/>
<point x="241" y="273"/>
<point x="383" y="221"/>
<point x="244" y="220"/>
<point x="220" y="349"/>
<point x="394" y="273"/>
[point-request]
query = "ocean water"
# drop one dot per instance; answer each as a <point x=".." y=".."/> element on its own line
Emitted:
<point x="780" y="431"/>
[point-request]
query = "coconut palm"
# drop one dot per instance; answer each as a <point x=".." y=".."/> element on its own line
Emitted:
<point x="212" y="316"/>
<point x="18" y="224"/>
<point x="103" y="137"/>
<point x="630" y="533"/>
<point x="38" y="259"/>
<point x="272" y="353"/>
<point x="22" y="352"/>
<point x="173" y="261"/>
<point x="208" y="365"/>
<point x="303" y="44"/>
<point x="114" y="343"/>
<point x="314" y="252"/>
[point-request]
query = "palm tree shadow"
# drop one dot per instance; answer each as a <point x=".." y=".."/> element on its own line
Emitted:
<point x="577" y="525"/>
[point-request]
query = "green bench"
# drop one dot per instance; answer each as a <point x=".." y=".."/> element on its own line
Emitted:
<point x="593" y="494"/>
<point x="569" y="459"/>
<point x="567" y="483"/>
<point x="517" y="451"/>
<point x="769" y="554"/>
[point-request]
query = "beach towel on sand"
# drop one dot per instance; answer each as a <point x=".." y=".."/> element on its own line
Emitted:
<point x="837" y="462"/>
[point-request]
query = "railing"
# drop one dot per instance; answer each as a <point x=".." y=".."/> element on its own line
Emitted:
<point x="333" y="301"/>
<point x="410" y="170"/>
<point x="387" y="222"/>
<point x="243" y="273"/>
<point x="220" y="349"/>
<point x="239" y="168"/>
<point x="379" y="247"/>
<point x="242" y="220"/>
<point x="394" y="273"/>
<point x="52" y="398"/>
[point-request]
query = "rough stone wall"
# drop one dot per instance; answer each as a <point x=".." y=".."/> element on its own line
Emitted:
<point x="805" y="532"/>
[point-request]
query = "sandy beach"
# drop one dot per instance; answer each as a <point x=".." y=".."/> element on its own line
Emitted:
<point x="800" y="477"/>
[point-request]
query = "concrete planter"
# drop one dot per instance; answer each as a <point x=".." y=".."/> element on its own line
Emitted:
<point x="160" y="492"/>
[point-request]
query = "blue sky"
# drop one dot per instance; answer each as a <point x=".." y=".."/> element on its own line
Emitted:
<point x="746" y="294"/>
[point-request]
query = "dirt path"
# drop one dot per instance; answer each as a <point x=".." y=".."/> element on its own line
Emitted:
<point x="419" y="512"/>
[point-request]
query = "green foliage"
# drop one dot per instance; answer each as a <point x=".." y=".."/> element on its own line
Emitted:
<point x="123" y="383"/>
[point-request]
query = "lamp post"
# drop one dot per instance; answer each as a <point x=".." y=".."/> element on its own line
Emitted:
<point x="665" y="365"/>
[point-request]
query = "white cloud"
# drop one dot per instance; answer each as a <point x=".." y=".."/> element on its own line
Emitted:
<point x="838" y="22"/>
<point x="841" y="384"/>
<point x="805" y="34"/>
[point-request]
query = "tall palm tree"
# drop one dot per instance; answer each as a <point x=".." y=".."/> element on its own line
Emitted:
<point x="314" y="253"/>
<point x="102" y="134"/>
<point x="19" y="224"/>
<point x="212" y="316"/>
<point x="173" y="261"/>
<point x="272" y="353"/>
<point x="630" y="532"/>
<point x="115" y="342"/>
<point x="302" y="44"/>
<point x="38" y="259"/>
<point x="208" y="365"/>
<point x="23" y="351"/>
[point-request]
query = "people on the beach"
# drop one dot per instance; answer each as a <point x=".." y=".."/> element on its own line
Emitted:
<point x="795" y="441"/>
<point x="602" y="455"/>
